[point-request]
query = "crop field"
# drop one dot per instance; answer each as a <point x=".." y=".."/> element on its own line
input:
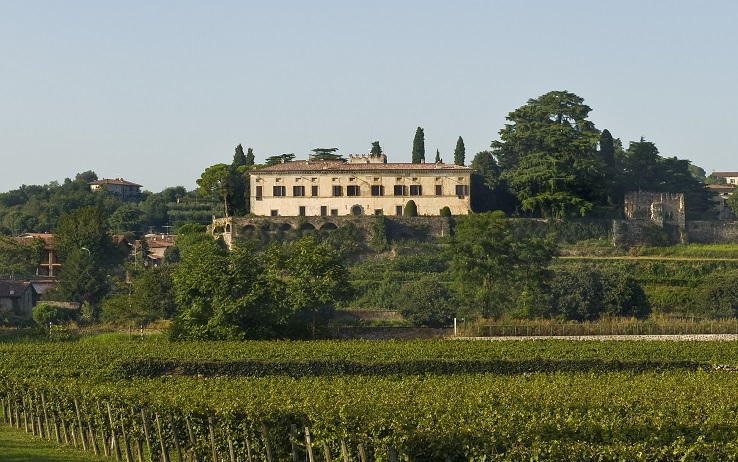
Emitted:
<point x="378" y="400"/>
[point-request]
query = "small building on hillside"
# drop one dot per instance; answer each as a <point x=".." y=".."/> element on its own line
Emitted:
<point x="365" y="185"/>
<point x="117" y="186"/>
<point x="157" y="246"/>
<point x="17" y="298"/>
<point x="731" y="178"/>
<point x="720" y="194"/>
<point x="49" y="265"/>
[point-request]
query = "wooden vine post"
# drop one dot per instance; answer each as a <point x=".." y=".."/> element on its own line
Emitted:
<point x="162" y="443"/>
<point x="211" y="427"/>
<point x="309" y="445"/>
<point x="267" y="445"/>
<point x="175" y="437"/>
<point x="147" y="430"/>
<point x="113" y="435"/>
<point x="293" y="441"/>
<point x="79" y="423"/>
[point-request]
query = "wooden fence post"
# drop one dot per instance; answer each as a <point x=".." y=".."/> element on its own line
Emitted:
<point x="393" y="455"/>
<point x="103" y="433"/>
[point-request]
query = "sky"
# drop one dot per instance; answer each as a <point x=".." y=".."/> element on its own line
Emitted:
<point x="157" y="91"/>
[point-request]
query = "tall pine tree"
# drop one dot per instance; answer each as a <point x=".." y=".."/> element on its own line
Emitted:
<point x="419" y="146"/>
<point x="459" y="152"/>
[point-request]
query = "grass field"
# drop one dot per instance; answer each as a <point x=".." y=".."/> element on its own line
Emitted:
<point x="19" y="446"/>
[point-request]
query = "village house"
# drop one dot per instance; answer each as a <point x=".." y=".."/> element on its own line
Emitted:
<point x="118" y="187"/>
<point x="17" y="298"/>
<point x="731" y="178"/>
<point x="720" y="194"/>
<point x="49" y="265"/>
<point x="365" y="185"/>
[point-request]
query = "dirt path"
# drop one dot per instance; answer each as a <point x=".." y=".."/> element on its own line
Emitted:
<point x="648" y="338"/>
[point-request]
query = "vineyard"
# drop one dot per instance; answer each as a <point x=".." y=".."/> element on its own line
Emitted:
<point x="377" y="401"/>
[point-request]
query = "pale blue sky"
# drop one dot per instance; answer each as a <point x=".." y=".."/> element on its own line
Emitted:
<point x="156" y="91"/>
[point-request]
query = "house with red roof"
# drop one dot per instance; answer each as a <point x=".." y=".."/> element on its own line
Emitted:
<point x="117" y="186"/>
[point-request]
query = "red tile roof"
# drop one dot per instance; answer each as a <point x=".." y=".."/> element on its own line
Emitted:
<point x="303" y="166"/>
<point x="723" y="174"/>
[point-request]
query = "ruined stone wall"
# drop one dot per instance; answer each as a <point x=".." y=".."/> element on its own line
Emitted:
<point x="713" y="232"/>
<point x="658" y="207"/>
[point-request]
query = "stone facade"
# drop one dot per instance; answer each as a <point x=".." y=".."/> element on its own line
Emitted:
<point x="366" y="185"/>
<point x="658" y="207"/>
<point x="713" y="232"/>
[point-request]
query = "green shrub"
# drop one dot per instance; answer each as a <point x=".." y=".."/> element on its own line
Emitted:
<point x="44" y="313"/>
<point x="445" y="212"/>
<point x="411" y="210"/>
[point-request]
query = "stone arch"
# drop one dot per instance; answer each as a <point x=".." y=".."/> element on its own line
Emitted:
<point x="284" y="226"/>
<point x="328" y="226"/>
<point x="248" y="228"/>
<point x="228" y="228"/>
<point x="307" y="226"/>
<point x="357" y="210"/>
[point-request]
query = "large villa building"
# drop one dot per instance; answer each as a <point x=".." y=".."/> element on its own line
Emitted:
<point x="365" y="185"/>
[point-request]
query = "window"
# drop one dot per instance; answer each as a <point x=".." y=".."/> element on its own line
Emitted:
<point x="439" y="190"/>
<point x="259" y="192"/>
<point x="398" y="210"/>
<point x="298" y="191"/>
<point x="400" y="190"/>
<point x="352" y="179"/>
<point x="278" y="180"/>
<point x="298" y="179"/>
<point x="334" y="212"/>
<point x="399" y="178"/>
<point x="377" y="211"/>
<point x="376" y="178"/>
<point x="462" y="190"/>
<point x="353" y="190"/>
<point x="313" y="180"/>
<point x="313" y="191"/>
<point x="377" y="190"/>
<point x="278" y="191"/>
<point x="337" y="191"/>
<point x="274" y="213"/>
<point x="323" y="210"/>
<point x="416" y="190"/>
<point x="302" y="211"/>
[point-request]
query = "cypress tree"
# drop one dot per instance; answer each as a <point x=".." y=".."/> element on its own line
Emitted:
<point x="459" y="152"/>
<point x="250" y="157"/>
<point x="419" y="146"/>
<point x="239" y="158"/>
<point x="438" y="156"/>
